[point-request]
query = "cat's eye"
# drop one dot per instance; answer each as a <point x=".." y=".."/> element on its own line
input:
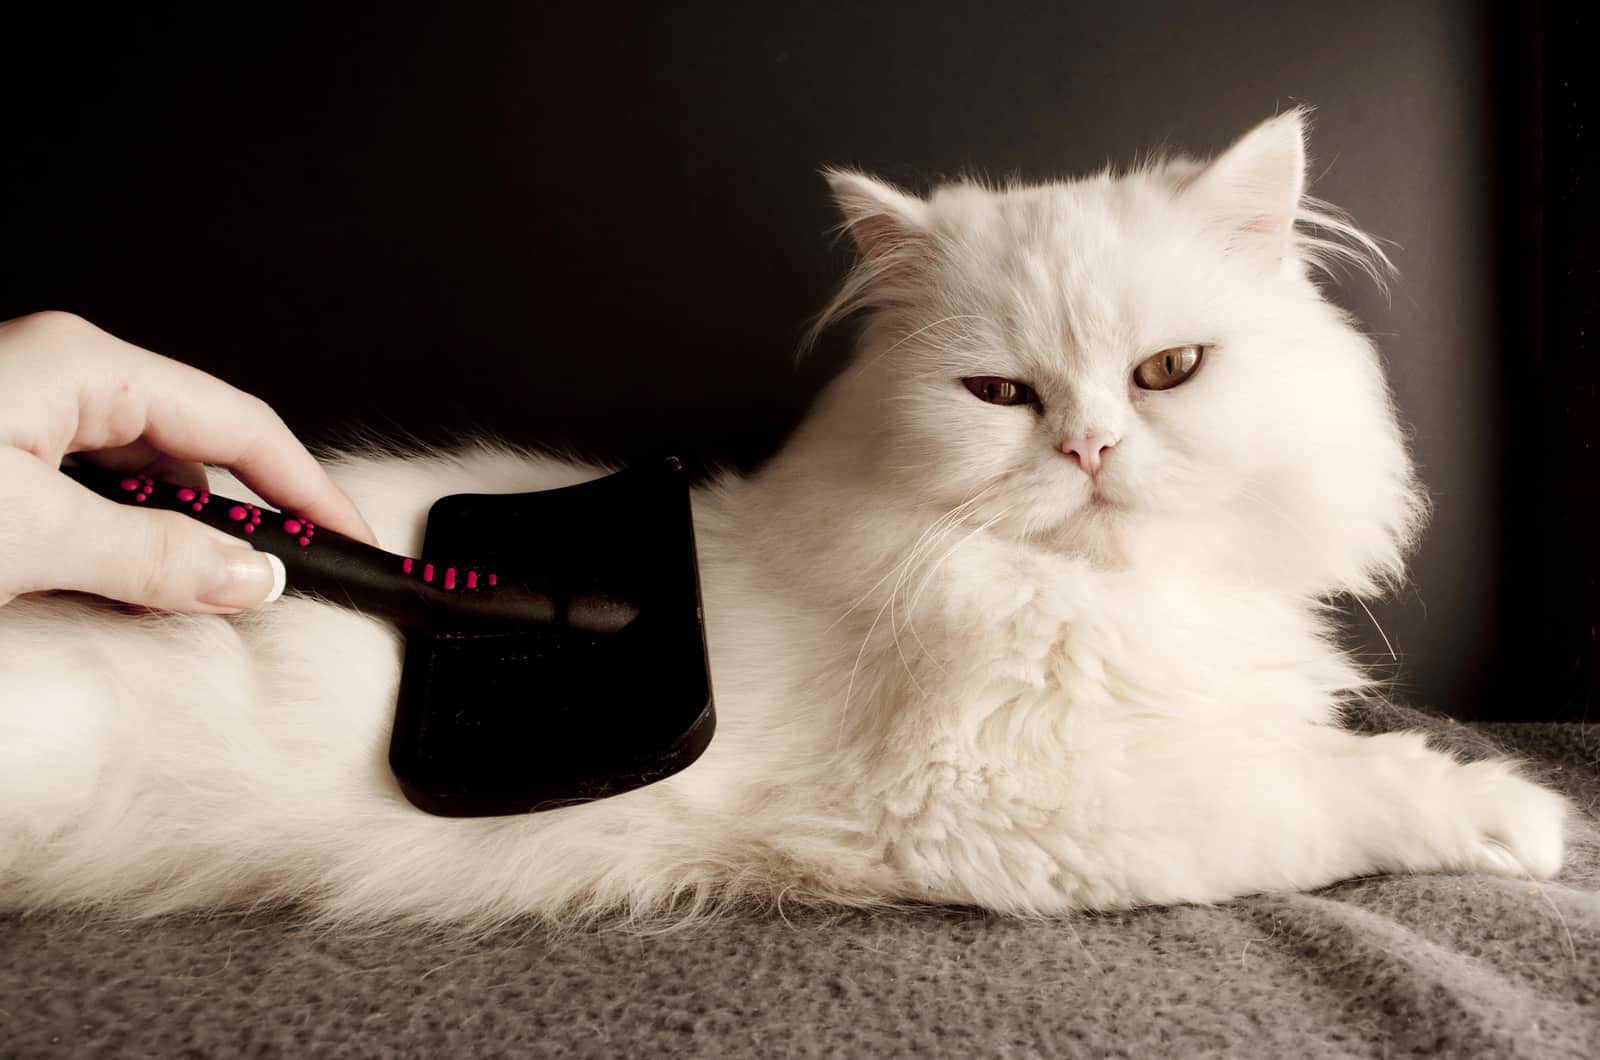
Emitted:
<point x="1168" y="368"/>
<point x="998" y="391"/>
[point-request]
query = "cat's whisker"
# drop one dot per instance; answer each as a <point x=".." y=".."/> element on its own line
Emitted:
<point x="910" y="610"/>
<point x="952" y="550"/>
<point x="844" y="710"/>
<point x="930" y="536"/>
<point x="950" y="521"/>
<point x="926" y="327"/>
<point x="917" y="596"/>
<point x="954" y="516"/>
<point x="932" y="528"/>
<point x="898" y="572"/>
<point x="892" y="572"/>
<point x="929" y="539"/>
<point x="1389" y="647"/>
<point x="927" y="653"/>
<point x="894" y="594"/>
<point x="910" y="623"/>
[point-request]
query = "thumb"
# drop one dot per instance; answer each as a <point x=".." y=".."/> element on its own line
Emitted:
<point x="154" y="558"/>
<point x="168" y="561"/>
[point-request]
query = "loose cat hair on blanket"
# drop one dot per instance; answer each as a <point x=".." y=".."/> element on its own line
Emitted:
<point x="1030" y="614"/>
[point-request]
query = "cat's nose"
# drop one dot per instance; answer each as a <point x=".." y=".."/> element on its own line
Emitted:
<point x="1088" y="450"/>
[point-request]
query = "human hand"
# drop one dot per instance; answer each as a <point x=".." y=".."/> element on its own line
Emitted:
<point x="66" y="387"/>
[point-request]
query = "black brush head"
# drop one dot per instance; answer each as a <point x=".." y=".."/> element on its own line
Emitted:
<point x="516" y="718"/>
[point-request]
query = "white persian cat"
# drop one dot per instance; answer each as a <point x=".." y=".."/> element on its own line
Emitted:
<point x="1029" y="614"/>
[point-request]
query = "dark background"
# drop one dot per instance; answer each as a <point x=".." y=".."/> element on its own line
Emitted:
<point x="604" y="230"/>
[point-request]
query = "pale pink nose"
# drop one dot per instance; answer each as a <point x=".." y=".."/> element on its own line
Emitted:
<point x="1088" y="450"/>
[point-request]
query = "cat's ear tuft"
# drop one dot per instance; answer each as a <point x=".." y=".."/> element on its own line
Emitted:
<point x="882" y="219"/>
<point x="1253" y="189"/>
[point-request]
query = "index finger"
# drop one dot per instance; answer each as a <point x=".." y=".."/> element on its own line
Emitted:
<point x="191" y="415"/>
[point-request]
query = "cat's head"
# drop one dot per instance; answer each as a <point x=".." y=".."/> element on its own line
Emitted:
<point x="1136" y="367"/>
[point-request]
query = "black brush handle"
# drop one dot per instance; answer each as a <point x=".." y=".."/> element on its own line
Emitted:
<point x="412" y="593"/>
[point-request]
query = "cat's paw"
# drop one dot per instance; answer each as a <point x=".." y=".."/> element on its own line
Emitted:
<point x="1516" y="827"/>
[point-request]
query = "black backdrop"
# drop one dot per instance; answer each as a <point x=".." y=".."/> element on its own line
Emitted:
<point x="603" y="229"/>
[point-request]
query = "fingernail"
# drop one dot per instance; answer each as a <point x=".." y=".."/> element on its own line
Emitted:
<point x="246" y="579"/>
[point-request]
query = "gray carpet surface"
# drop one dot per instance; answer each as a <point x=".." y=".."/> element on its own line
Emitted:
<point x="1429" y="965"/>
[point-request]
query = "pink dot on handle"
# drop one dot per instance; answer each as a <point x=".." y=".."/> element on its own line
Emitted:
<point x="427" y="572"/>
<point x="140" y="497"/>
<point x="197" y="506"/>
<point x="449" y="577"/>
<point x="304" y="541"/>
<point x="472" y="579"/>
<point x="186" y="494"/>
<point x="249" y="528"/>
<point x="291" y="526"/>
<point x="237" y="512"/>
<point x="405" y="564"/>
<point x="493" y="579"/>
<point x="130" y="483"/>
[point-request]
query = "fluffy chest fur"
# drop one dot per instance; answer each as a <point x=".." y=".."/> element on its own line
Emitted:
<point x="956" y="696"/>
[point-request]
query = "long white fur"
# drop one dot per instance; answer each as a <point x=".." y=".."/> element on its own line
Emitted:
<point x="940" y="674"/>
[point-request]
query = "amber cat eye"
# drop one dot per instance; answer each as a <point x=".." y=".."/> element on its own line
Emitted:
<point x="1168" y="368"/>
<point x="998" y="391"/>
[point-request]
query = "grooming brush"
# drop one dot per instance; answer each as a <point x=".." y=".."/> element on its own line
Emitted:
<point x="555" y="650"/>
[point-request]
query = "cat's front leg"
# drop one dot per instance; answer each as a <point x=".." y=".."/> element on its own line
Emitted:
<point x="1197" y="817"/>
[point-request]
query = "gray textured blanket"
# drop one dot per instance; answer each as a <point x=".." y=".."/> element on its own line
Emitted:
<point x="1379" y="967"/>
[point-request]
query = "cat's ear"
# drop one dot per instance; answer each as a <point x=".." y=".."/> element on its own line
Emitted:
<point x="1252" y="190"/>
<point x="884" y="221"/>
